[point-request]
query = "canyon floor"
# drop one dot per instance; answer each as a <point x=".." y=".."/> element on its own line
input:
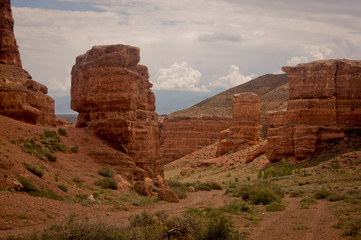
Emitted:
<point x="322" y="197"/>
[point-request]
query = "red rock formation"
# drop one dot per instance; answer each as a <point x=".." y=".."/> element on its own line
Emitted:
<point x="324" y="103"/>
<point x="20" y="97"/>
<point x="112" y="94"/>
<point x="244" y="130"/>
<point x="9" y="53"/>
<point x="183" y="135"/>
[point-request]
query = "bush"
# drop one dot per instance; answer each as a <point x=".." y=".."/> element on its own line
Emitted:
<point x="74" y="149"/>
<point x="205" y="186"/>
<point x="236" y="207"/>
<point x="143" y="220"/>
<point x="34" y="169"/>
<point x="78" y="180"/>
<point x="260" y="193"/>
<point x="52" y="141"/>
<point x="285" y="170"/>
<point x="106" y="172"/>
<point x="107" y="182"/>
<point x="28" y="185"/>
<point x="322" y="194"/>
<point x="179" y="188"/>
<point x="63" y="187"/>
<point x="275" y="206"/>
<point x="62" y="131"/>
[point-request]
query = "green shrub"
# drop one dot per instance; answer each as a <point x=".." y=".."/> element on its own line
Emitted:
<point x="52" y="141"/>
<point x="78" y="180"/>
<point x="74" y="149"/>
<point x="179" y="188"/>
<point x="220" y="227"/>
<point x="107" y="182"/>
<point x="275" y="206"/>
<point x="284" y="170"/>
<point x="322" y="194"/>
<point x="63" y="187"/>
<point x="259" y="193"/>
<point x="142" y="220"/>
<point x="34" y="169"/>
<point x="236" y="207"/>
<point x="28" y="185"/>
<point x="205" y="186"/>
<point x="106" y="172"/>
<point x="62" y="131"/>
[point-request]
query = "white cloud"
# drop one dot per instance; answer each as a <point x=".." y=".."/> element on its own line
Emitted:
<point x="318" y="52"/>
<point x="233" y="78"/>
<point x="179" y="77"/>
<point x="296" y="60"/>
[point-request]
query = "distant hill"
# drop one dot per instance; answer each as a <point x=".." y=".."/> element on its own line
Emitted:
<point x="272" y="89"/>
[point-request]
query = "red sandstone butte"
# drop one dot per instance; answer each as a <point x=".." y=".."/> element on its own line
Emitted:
<point x="324" y="103"/>
<point x="9" y="52"/>
<point x="112" y="94"/>
<point x="244" y="130"/>
<point x="182" y="135"/>
<point x="21" y="97"/>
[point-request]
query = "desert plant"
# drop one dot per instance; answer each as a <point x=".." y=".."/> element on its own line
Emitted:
<point x="142" y="220"/>
<point x="107" y="182"/>
<point x="236" y="207"/>
<point x="275" y="206"/>
<point x="74" y="149"/>
<point x="62" y="132"/>
<point x="179" y="188"/>
<point x="106" y="172"/>
<point x="78" y="180"/>
<point x="34" y="169"/>
<point x="63" y="187"/>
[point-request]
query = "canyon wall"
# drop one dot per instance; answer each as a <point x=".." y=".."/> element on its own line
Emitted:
<point x="324" y="103"/>
<point x="183" y="135"/>
<point x="112" y="94"/>
<point x="21" y="97"/>
<point x="244" y="130"/>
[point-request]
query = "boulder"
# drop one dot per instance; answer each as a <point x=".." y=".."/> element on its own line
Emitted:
<point x="244" y="130"/>
<point x="122" y="184"/>
<point x="191" y="189"/>
<point x="112" y="94"/>
<point x="13" y="184"/>
<point x="168" y="196"/>
<point x="160" y="182"/>
<point x="143" y="188"/>
<point x="324" y="104"/>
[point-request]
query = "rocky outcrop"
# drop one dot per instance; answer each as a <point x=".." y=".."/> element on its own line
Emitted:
<point x="244" y="130"/>
<point x="21" y="97"/>
<point x="9" y="52"/>
<point x="183" y="135"/>
<point x="324" y="103"/>
<point x="112" y="94"/>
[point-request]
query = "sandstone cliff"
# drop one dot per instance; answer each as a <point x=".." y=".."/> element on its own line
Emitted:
<point x="183" y="135"/>
<point x="112" y="94"/>
<point x="21" y="97"/>
<point x="9" y="53"/>
<point x="324" y="103"/>
<point x="244" y="130"/>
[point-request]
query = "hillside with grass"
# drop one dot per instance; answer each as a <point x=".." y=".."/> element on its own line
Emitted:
<point x="272" y="89"/>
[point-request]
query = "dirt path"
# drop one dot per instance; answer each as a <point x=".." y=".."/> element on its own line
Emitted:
<point x="295" y="223"/>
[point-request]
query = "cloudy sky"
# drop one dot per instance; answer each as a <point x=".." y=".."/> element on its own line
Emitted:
<point x="193" y="48"/>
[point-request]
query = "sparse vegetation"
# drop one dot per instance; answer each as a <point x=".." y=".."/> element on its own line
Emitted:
<point x="34" y="190"/>
<point x="74" y="149"/>
<point x="34" y="169"/>
<point x="62" y="132"/>
<point x="106" y="182"/>
<point x="106" y="172"/>
<point x="63" y="187"/>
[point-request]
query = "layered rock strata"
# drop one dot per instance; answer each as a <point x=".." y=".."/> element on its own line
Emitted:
<point x="244" y="130"/>
<point x="324" y="104"/>
<point x="112" y="94"/>
<point x="183" y="135"/>
<point x="21" y="97"/>
<point x="9" y="53"/>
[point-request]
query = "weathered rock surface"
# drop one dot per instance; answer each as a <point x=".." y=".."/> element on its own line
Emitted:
<point x="9" y="52"/>
<point x="21" y="97"/>
<point x="183" y="135"/>
<point x="324" y="103"/>
<point x="168" y="196"/>
<point x="122" y="184"/>
<point x="244" y="130"/>
<point x="160" y="182"/>
<point x="112" y="94"/>
<point x="143" y="188"/>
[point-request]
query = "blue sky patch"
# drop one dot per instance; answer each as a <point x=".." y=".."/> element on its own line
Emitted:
<point x="56" y="5"/>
